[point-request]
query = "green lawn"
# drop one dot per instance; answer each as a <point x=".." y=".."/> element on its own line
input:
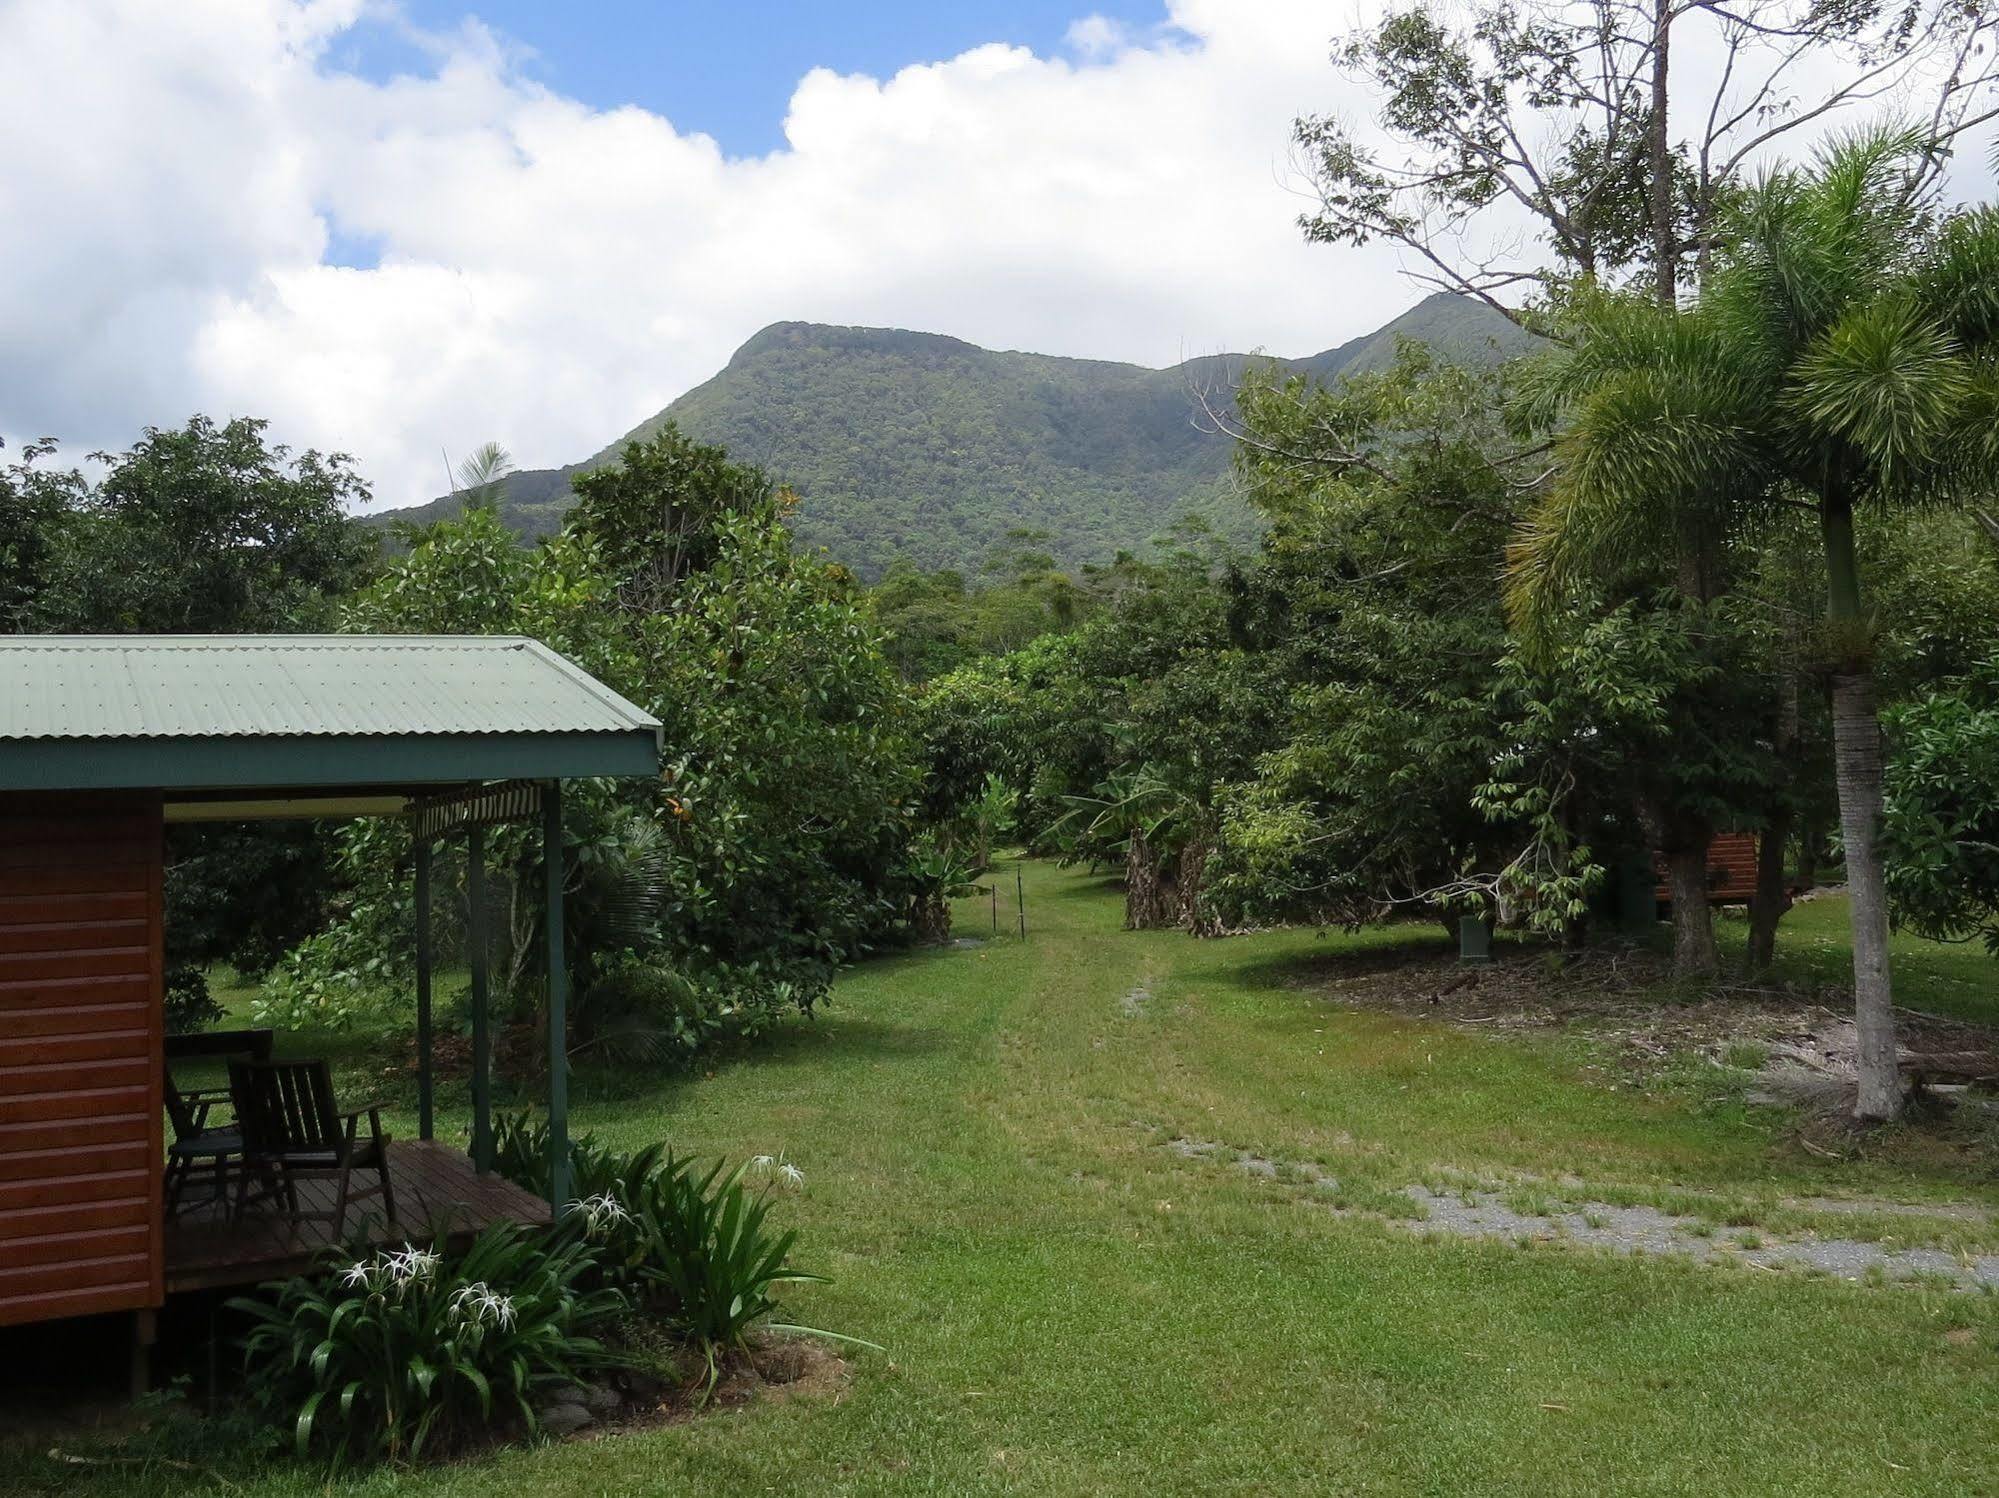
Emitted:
<point x="1955" y="979"/>
<point x="1069" y="1306"/>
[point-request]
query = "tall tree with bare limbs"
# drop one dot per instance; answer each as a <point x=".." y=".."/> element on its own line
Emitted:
<point x="1524" y="150"/>
<point x="1518" y="148"/>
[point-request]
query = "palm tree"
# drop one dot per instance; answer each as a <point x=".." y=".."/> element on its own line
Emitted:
<point x="1845" y="353"/>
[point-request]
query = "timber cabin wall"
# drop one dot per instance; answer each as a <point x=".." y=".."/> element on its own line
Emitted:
<point x="1731" y="870"/>
<point x="80" y="1047"/>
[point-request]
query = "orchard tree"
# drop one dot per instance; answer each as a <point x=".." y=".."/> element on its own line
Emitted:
<point x="206" y="529"/>
<point x="203" y="529"/>
<point x="657" y="513"/>
<point x="36" y="503"/>
<point x="777" y="842"/>
<point x="1426" y="763"/>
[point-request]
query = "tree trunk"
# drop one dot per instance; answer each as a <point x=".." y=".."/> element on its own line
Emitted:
<point x="1695" y="954"/>
<point x="1856" y="746"/>
<point x="1811" y="848"/>
<point x="1151" y="895"/>
<point x="1659" y="161"/>
<point x="1682" y="842"/>
<point x="1856" y="757"/>
<point x="1193" y="865"/>
<point x="1771" y="899"/>
<point x="932" y="918"/>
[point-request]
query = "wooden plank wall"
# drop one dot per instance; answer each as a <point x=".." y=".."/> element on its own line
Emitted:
<point x="1731" y="870"/>
<point x="80" y="1046"/>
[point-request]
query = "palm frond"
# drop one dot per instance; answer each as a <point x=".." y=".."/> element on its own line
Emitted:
<point x="636" y="883"/>
<point x="1658" y="449"/>
<point x="482" y="476"/>
<point x="1886" y="380"/>
<point x="1956" y="281"/>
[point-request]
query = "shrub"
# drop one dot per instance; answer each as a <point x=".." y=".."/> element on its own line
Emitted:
<point x="697" y="1249"/>
<point x="520" y="1153"/>
<point x="706" y="1256"/>
<point x="189" y="1004"/>
<point x="399" y="1348"/>
<point x="1940" y="833"/>
<point x="647" y="1011"/>
<point x="328" y="982"/>
<point x="643" y="1010"/>
<point x="937" y="871"/>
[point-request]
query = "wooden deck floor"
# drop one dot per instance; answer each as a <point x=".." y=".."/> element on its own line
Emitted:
<point x="436" y="1190"/>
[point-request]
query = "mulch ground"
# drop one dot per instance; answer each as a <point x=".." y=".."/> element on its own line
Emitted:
<point x="1626" y="999"/>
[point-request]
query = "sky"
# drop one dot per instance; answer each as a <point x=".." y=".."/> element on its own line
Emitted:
<point x="725" y="69"/>
<point x="401" y="228"/>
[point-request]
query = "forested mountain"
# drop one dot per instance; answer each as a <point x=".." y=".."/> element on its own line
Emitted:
<point x="931" y="448"/>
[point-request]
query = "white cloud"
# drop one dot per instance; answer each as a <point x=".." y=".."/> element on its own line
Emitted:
<point x="550" y="273"/>
<point x="1098" y="36"/>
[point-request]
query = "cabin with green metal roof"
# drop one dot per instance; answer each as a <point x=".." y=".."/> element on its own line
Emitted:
<point x="104" y="740"/>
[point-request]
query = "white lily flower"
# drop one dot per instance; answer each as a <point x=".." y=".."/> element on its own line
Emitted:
<point x="600" y="1212"/>
<point x="478" y="1301"/>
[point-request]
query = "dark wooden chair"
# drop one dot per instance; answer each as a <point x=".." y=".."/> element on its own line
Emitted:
<point x="204" y="1145"/>
<point x="198" y="1149"/>
<point x="293" y="1131"/>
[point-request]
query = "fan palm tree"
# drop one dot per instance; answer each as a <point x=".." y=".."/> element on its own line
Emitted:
<point x="1845" y="353"/>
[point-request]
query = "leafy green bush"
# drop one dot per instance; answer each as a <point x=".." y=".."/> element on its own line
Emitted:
<point x="520" y="1153"/>
<point x="697" y="1249"/>
<point x="401" y="1348"/>
<point x="937" y="871"/>
<point x="189" y="1004"/>
<point x="643" y="1010"/>
<point x="707" y="1256"/>
<point x="1940" y="834"/>
<point x="333" y="980"/>
<point x="647" y="1011"/>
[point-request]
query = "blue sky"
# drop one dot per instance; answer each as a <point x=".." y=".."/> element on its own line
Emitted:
<point x="726" y="69"/>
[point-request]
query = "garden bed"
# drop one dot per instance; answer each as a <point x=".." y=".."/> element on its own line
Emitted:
<point x="774" y="1368"/>
<point x="1797" y="1040"/>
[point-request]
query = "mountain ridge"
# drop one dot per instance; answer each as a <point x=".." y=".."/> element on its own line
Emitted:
<point x="903" y="443"/>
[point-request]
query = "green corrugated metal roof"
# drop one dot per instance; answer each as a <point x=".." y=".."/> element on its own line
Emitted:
<point x="176" y="686"/>
<point x="221" y="710"/>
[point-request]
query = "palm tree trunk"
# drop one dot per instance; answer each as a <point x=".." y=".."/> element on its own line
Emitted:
<point x="1856" y="751"/>
<point x="1856" y="746"/>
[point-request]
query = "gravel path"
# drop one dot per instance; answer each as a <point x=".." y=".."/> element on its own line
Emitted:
<point x="1647" y="1230"/>
<point x="1486" y="1214"/>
